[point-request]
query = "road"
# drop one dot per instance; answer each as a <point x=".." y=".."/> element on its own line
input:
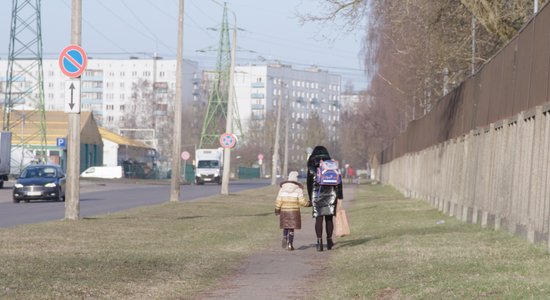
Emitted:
<point x="103" y="197"/>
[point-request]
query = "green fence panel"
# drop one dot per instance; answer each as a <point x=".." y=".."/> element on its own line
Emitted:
<point x="247" y="173"/>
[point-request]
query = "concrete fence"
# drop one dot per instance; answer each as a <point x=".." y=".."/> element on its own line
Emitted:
<point x="497" y="176"/>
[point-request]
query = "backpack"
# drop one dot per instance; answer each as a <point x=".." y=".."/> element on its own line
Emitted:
<point x="328" y="173"/>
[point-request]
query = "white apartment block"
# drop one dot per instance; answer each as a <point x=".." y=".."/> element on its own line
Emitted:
<point x="108" y="90"/>
<point x="310" y="91"/>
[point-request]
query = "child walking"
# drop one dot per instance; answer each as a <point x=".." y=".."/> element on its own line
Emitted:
<point x="287" y="207"/>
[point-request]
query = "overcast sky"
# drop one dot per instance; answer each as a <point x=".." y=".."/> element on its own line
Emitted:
<point x="270" y="29"/>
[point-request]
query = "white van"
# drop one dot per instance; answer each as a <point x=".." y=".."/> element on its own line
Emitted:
<point x="103" y="172"/>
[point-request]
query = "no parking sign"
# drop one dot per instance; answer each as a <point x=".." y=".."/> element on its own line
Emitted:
<point x="228" y="140"/>
<point x="73" y="61"/>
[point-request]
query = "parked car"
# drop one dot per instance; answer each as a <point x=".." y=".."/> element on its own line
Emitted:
<point x="40" y="182"/>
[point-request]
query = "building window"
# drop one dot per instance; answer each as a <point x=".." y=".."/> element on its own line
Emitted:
<point x="121" y="108"/>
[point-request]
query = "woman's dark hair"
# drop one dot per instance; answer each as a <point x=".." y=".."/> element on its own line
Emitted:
<point x="319" y="153"/>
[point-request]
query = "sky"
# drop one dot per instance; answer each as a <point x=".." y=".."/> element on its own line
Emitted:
<point x="269" y="30"/>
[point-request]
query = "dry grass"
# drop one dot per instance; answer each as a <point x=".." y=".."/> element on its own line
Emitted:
<point x="166" y="251"/>
<point x="177" y="251"/>
<point x="398" y="251"/>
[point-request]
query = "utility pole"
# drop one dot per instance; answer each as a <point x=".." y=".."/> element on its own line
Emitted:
<point x="72" y="203"/>
<point x="285" y="163"/>
<point x="176" y="142"/>
<point x="229" y="117"/>
<point x="473" y="44"/>
<point x="275" y="160"/>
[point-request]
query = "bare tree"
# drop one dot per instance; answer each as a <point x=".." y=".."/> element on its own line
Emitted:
<point x="415" y="51"/>
<point x="139" y="108"/>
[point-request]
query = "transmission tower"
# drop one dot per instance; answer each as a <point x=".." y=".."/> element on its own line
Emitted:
<point x="24" y="113"/>
<point x="216" y="113"/>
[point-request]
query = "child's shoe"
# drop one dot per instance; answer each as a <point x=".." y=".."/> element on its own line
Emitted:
<point x="290" y="247"/>
<point x="284" y="242"/>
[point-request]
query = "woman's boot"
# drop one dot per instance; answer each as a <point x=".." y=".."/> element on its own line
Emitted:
<point x="329" y="243"/>
<point x="319" y="244"/>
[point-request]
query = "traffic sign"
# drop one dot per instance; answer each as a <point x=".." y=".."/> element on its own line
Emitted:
<point x="73" y="61"/>
<point x="228" y="140"/>
<point x="185" y="155"/>
<point x="72" y="96"/>
<point x="61" y="142"/>
<point x="260" y="156"/>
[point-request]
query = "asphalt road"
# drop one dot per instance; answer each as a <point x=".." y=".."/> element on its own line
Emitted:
<point x="103" y="197"/>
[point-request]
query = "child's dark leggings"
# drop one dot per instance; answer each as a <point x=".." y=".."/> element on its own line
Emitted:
<point x="289" y="232"/>
<point x="319" y="226"/>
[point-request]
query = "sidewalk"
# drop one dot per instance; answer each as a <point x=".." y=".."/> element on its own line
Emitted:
<point x="277" y="273"/>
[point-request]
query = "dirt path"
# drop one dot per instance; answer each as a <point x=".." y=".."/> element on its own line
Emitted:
<point x="280" y="274"/>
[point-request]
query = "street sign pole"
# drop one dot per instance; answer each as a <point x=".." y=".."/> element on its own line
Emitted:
<point x="72" y="195"/>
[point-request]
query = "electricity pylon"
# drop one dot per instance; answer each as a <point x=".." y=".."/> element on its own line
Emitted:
<point x="216" y="113"/>
<point x="24" y="112"/>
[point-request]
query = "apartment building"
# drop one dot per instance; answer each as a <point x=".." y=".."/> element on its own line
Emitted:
<point x="133" y="97"/>
<point x="305" y="94"/>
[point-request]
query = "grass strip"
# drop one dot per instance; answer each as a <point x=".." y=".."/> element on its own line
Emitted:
<point x="167" y="251"/>
<point x="405" y="249"/>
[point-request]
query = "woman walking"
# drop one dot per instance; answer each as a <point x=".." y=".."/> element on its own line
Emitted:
<point x="322" y="197"/>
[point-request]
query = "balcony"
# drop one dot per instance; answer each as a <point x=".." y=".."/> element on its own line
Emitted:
<point x="257" y="85"/>
<point x="92" y="101"/>
<point x="257" y="96"/>
<point x="92" y="78"/>
<point x="92" y="89"/>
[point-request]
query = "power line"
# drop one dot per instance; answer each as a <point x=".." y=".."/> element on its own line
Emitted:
<point x="146" y="27"/>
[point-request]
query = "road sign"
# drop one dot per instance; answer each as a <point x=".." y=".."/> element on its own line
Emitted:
<point x="72" y="96"/>
<point x="73" y="61"/>
<point x="185" y="155"/>
<point x="228" y="140"/>
<point x="260" y="156"/>
<point x="61" y="142"/>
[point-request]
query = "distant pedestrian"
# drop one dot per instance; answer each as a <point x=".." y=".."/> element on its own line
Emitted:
<point x="287" y="207"/>
<point x="351" y="174"/>
<point x="322" y="197"/>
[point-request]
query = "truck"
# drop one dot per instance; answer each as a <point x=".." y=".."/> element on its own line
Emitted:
<point x="5" y="156"/>
<point x="208" y="166"/>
